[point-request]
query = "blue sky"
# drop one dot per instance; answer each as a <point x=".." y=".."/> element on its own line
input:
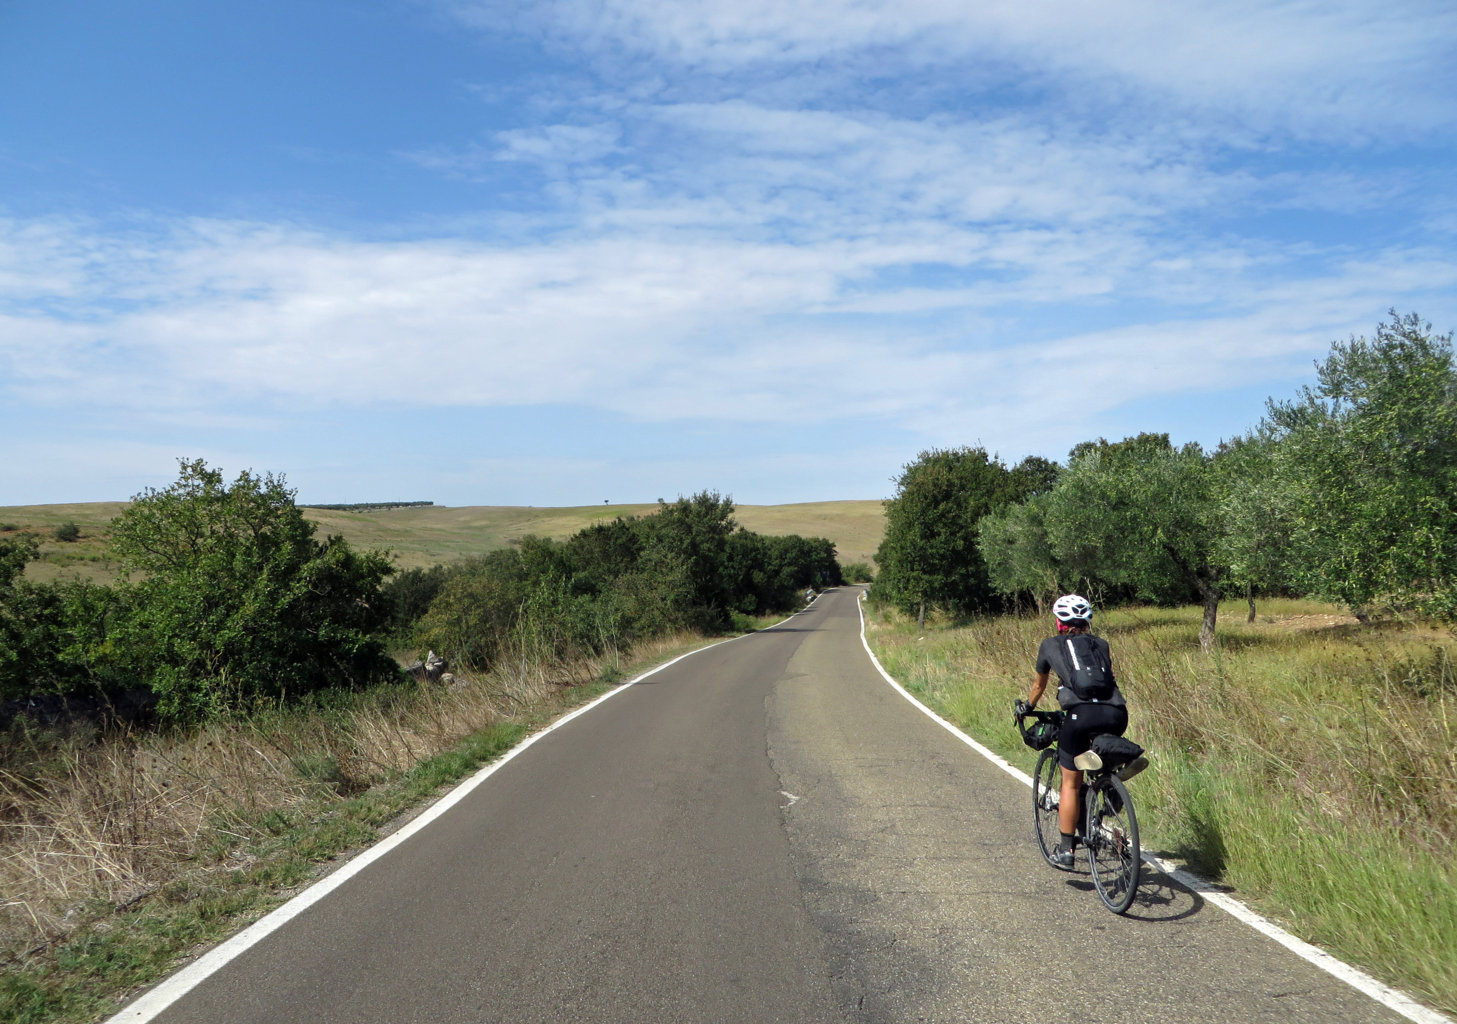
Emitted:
<point x="583" y="250"/>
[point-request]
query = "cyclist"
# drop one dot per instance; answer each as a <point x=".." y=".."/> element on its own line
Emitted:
<point x="1085" y="719"/>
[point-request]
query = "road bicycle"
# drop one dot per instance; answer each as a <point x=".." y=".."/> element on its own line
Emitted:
<point x="1108" y="827"/>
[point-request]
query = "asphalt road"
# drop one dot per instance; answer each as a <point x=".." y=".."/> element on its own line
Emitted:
<point x="763" y="832"/>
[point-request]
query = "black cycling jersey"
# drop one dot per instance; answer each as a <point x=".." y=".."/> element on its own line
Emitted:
<point x="1052" y="656"/>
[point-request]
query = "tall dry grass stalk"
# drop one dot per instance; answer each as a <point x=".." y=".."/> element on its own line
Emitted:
<point x="90" y="822"/>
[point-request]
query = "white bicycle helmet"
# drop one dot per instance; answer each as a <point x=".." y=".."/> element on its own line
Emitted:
<point x="1072" y="608"/>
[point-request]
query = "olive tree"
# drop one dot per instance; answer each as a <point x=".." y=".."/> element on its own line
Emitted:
<point x="1140" y="514"/>
<point x="1373" y="452"/>
<point x="1256" y="491"/>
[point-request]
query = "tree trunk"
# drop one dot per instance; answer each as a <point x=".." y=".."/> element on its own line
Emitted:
<point x="921" y="617"/>
<point x="1206" y="581"/>
<point x="1211" y="612"/>
<point x="1250" y="597"/>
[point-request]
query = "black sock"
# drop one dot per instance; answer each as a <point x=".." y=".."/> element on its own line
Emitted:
<point x="1068" y="839"/>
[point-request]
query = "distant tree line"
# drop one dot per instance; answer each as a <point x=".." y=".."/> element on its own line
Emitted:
<point x="687" y="567"/>
<point x="372" y="506"/>
<point x="229" y="599"/>
<point x="1346" y="492"/>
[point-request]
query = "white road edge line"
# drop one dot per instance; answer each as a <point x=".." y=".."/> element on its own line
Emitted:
<point x="1391" y="998"/>
<point x="173" y="988"/>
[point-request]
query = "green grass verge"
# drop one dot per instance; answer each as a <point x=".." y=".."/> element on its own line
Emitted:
<point x="1307" y="763"/>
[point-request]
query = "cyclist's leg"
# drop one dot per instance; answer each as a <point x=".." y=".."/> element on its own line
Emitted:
<point x="1067" y="810"/>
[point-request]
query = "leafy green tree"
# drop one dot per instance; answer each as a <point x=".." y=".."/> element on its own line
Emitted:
<point x="694" y="532"/>
<point x="1141" y="514"/>
<point x="1256" y="491"/>
<point x="409" y="594"/>
<point x="232" y="598"/>
<point x="686" y="567"/>
<point x="929" y="555"/>
<point x="1018" y="552"/>
<point x="1374" y="450"/>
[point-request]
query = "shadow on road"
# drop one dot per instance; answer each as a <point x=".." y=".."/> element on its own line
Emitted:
<point x="1159" y="897"/>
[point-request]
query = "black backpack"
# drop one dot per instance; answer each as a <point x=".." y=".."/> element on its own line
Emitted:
<point x="1090" y="673"/>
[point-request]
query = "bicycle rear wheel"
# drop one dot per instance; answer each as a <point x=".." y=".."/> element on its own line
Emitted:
<point x="1111" y="835"/>
<point x="1046" y="793"/>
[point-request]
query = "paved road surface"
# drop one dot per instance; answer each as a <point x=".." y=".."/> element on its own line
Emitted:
<point x="763" y="832"/>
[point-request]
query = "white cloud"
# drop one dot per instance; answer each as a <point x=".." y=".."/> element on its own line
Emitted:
<point x="1312" y="68"/>
<point x="223" y="316"/>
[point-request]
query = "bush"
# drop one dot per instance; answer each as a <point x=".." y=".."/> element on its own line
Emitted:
<point x="238" y="602"/>
<point x="858" y="572"/>
<point x="408" y="596"/>
<point x="688" y="567"/>
<point x="68" y="532"/>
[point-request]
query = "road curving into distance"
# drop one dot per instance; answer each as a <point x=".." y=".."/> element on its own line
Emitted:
<point x="762" y="832"/>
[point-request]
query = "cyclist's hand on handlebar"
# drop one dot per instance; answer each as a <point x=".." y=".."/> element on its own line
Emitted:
<point x="1020" y="708"/>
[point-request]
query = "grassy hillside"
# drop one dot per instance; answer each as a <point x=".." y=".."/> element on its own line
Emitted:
<point x="427" y="535"/>
<point x="85" y="557"/>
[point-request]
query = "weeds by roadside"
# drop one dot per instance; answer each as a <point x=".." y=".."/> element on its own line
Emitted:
<point x="1307" y="761"/>
<point x="121" y="854"/>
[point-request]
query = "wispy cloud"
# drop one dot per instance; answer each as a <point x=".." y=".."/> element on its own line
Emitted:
<point x="652" y="329"/>
<point x="928" y="215"/>
<point x="1333" y="66"/>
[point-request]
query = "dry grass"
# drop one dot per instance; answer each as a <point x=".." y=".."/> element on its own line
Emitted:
<point x="1309" y="762"/>
<point x="91" y="823"/>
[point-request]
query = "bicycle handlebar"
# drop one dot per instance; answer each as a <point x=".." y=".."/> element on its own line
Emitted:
<point x="1021" y="711"/>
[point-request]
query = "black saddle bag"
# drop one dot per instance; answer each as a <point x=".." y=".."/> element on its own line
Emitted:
<point x="1116" y="751"/>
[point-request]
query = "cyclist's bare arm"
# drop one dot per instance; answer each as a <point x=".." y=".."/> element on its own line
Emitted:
<point x="1039" y="686"/>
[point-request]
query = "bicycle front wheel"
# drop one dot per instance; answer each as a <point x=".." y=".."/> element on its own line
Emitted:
<point x="1111" y="835"/>
<point x="1046" y="792"/>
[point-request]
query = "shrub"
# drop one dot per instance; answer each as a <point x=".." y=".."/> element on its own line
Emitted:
<point x="237" y="601"/>
<point x="68" y="532"/>
<point x="858" y="572"/>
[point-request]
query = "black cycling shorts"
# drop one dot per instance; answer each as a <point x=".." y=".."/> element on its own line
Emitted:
<point x="1082" y="723"/>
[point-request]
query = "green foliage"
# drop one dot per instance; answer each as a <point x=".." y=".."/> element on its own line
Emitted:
<point x="1372" y="450"/>
<point x="613" y="583"/>
<point x="15" y="627"/>
<point x="858" y="572"/>
<point x="235" y="600"/>
<point x="68" y="532"/>
<point x="1018" y="552"/>
<point x="408" y="596"/>
<point x="54" y="638"/>
<point x="1257" y="495"/>
<point x="15" y="554"/>
<point x="1136" y="518"/>
<point x="929" y="554"/>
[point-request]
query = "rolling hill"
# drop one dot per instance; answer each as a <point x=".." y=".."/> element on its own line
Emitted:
<point x="426" y="535"/>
